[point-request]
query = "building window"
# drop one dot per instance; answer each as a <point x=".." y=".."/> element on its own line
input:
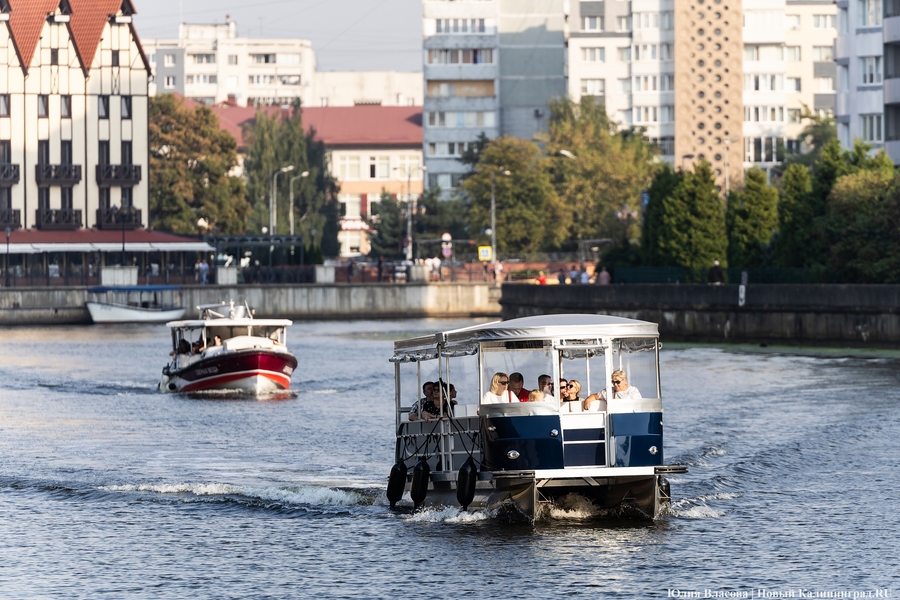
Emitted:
<point x="4" y="105"/>
<point x="170" y="82"/>
<point x="792" y="53"/>
<point x="823" y="22"/>
<point x="825" y="84"/>
<point x="793" y="115"/>
<point x="593" y="54"/>
<point x="623" y="23"/>
<point x="152" y="58"/>
<point x="793" y="84"/>
<point x="103" y="106"/>
<point x="459" y="26"/>
<point x="263" y="59"/>
<point x="204" y="59"/>
<point x="592" y="23"/>
<point x="465" y="57"/>
<point x="593" y="87"/>
<point x="751" y="52"/>
<point x="408" y="168"/>
<point x="65" y="106"/>
<point x="169" y="60"/>
<point x="625" y="117"/>
<point x="127" y="158"/>
<point x="104" y="199"/>
<point x="232" y="59"/>
<point x="624" y="54"/>
<point x="126" y="107"/>
<point x="43" y="107"/>
<point x="5" y="153"/>
<point x="5" y="198"/>
<point x="765" y="83"/>
<point x="65" y="199"/>
<point x="792" y="22"/>
<point x="127" y="197"/>
<point x="43" y="152"/>
<point x="624" y="86"/>
<point x="869" y="13"/>
<point x="870" y="69"/>
<point x="870" y="128"/>
<point x="54" y="56"/>
<point x="103" y="153"/>
<point x="351" y="205"/>
<point x="348" y="168"/>
<point x="65" y="152"/>
<point x="821" y="53"/>
<point x="115" y="58"/>
<point x="43" y="198"/>
<point x="379" y="167"/>
<point x="262" y="79"/>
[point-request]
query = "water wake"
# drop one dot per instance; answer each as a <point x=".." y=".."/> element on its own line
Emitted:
<point x="288" y="495"/>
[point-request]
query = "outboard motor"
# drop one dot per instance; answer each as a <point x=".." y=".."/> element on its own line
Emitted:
<point x="419" y="488"/>
<point x="396" y="483"/>
<point x="465" y="483"/>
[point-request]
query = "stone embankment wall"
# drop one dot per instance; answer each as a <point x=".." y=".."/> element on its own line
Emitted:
<point x="37" y="306"/>
<point x="857" y="315"/>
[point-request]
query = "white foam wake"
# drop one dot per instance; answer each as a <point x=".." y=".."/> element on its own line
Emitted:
<point x="315" y="495"/>
<point x="450" y="514"/>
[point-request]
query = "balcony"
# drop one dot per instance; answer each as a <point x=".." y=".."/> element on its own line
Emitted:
<point x="57" y="174"/>
<point x="9" y="174"/>
<point x="48" y="218"/>
<point x="112" y="218"/>
<point x="11" y="219"/>
<point x="127" y="175"/>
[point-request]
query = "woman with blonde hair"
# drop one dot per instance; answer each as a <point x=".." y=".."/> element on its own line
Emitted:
<point x="499" y="391"/>
<point x="570" y="394"/>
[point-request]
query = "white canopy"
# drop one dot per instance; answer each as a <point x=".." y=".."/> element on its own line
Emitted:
<point x="37" y="248"/>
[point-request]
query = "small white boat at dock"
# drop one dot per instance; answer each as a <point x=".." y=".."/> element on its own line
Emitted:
<point x="135" y="304"/>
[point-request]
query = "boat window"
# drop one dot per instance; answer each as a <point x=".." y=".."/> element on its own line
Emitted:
<point x="637" y="357"/>
<point x="586" y="365"/>
<point x="531" y="363"/>
<point x="462" y="373"/>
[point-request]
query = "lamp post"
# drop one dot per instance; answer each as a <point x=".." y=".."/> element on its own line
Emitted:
<point x="494" y="217"/>
<point x="6" y="267"/>
<point x="293" y="179"/>
<point x="273" y="217"/>
<point x="411" y="206"/>
<point x="727" y="141"/>
<point x="682" y="160"/>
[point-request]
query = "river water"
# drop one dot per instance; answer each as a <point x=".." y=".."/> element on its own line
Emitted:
<point x="109" y="489"/>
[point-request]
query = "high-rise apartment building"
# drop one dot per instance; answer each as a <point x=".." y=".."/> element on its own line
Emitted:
<point x="489" y="66"/>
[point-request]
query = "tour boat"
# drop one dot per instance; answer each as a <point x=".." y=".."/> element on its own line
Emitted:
<point x="227" y="349"/>
<point x="135" y="304"/>
<point x="494" y="450"/>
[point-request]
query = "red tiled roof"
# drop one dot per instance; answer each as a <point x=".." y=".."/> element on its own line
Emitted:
<point x="87" y="21"/>
<point x="93" y="236"/>
<point x="337" y="126"/>
<point x="26" y="20"/>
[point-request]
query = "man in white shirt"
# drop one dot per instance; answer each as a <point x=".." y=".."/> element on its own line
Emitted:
<point x="621" y="390"/>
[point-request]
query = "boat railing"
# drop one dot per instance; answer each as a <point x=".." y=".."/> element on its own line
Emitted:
<point x="445" y="443"/>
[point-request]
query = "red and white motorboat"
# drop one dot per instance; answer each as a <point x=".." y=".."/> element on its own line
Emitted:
<point x="227" y="349"/>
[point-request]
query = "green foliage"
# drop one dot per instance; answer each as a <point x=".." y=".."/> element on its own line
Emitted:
<point x="528" y="215"/>
<point x="472" y="154"/>
<point x="819" y="132"/>
<point x="692" y="231"/>
<point x="437" y="217"/>
<point x="794" y="217"/>
<point x="751" y="219"/>
<point x="278" y="141"/>
<point x="389" y="224"/>
<point x="610" y="169"/>
<point x="665" y="181"/>
<point x="190" y="157"/>
<point x="864" y="226"/>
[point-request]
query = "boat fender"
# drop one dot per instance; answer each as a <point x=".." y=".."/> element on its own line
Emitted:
<point x="396" y="483"/>
<point x="419" y="487"/>
<point x="465" y="483"/>
<point x="173" y="387"/>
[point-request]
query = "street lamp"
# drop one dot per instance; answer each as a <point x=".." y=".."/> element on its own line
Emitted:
<point x="293" y="179"/>
<point x="411" y="205"/>
<point x="493" y="217"/>
<point x="8" y="232"/>
<point x="273" y="217"/>
<point x="727" y="141"/>
<point x="682" y="160"/>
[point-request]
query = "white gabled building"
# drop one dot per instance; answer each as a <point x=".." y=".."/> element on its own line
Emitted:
<point x="73" y="116"/>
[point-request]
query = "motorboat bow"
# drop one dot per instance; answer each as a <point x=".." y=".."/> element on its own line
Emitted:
<point x="226" y="349"/>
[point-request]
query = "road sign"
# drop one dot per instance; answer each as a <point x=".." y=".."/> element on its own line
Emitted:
<point x="447" y="252"/>
<point x="484" y="253"/>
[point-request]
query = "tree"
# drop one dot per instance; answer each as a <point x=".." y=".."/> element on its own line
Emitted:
<point x="819" y="132"/>
<point x="751" y="219"/>
<point x="692" y="232"/>
<point x="528" y="215"/>
<point x="389" y="225"/>
<point x="607" y="175"/>
<point x="437" y="217"/>
<point x="793" y="217"/>
<point x="190" y="157"/>
<point x="864" y="227"/>
<point x="665" y="181"/>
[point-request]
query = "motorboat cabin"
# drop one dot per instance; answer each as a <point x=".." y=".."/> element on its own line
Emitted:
<point x="226" y="348"/>
<point x="486" y="447"/>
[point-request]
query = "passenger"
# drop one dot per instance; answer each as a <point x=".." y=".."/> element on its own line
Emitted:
<point x="431" y="408"/>
<point x="427" y="388"/>
<point x="545" y="384"/>
<point x="572" y="389"/>
<point x="535" y="396"/>
<point x="184" y="347"/>
<point x="217" y="340"/>
<point x="197" y="347"/>
<point x="499" y="392"/>
<point x="621" y="390"/>
<point x="517" y="387"/>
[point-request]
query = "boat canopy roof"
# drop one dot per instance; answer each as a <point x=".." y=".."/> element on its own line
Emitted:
<point x="134" y="288"/>
<point x="565" y="326"/>
<point x="194" y="323"/>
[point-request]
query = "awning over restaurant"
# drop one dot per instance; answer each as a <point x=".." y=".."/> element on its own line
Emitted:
<point x="32" y="241"/>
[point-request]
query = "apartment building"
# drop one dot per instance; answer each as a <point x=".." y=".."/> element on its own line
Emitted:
<point x="211" y="64"/>
<point x="866" y="52"/>
<point x="469" y="90"/>
<point x="714" y="80"/>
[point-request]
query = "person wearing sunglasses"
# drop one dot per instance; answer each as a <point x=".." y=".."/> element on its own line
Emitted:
<point x="499" y="392"/>
<point x="570" y="392"/>
<point x="621" y="390"/>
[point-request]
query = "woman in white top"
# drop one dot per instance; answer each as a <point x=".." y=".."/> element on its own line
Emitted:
<point x="499" y="391"/>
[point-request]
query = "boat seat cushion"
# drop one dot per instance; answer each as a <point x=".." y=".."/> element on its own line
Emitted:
<point x="246" y="342"/>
